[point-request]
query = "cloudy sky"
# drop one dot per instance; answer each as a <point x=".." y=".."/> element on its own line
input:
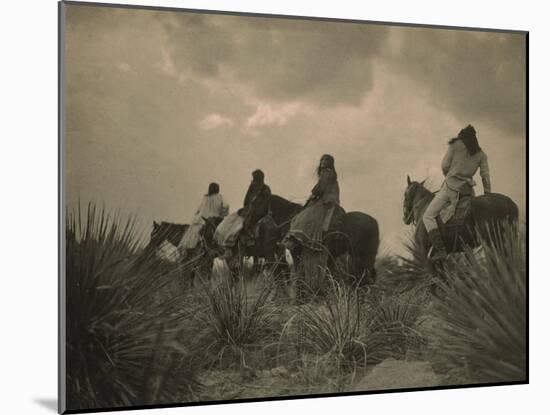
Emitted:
<point x="159" y="104"/>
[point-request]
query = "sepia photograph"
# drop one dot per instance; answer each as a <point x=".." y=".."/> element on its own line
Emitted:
<point x="259" y="206"/>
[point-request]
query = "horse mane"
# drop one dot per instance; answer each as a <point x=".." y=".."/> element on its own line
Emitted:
<point x="172" y="232"/>
<point x="421" y="197"/>
<point x="420" y="188"/>
<point x="281" y="200"/>
<point x="282" y="209"/>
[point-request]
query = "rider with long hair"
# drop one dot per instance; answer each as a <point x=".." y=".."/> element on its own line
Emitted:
<point x="322" y="208"/>
<point x="463" y="158"/>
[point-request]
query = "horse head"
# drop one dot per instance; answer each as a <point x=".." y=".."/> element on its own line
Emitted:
<point x="413" y="190"/>
<point x="166" y="231"/>
<point x="158" y="234"/>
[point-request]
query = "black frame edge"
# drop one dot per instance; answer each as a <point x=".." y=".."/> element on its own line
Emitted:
<point x="61" y="307"/>
<point x="286" y="16"/>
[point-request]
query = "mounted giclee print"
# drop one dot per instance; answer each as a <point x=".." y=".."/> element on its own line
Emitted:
<point x="258" y="207"/>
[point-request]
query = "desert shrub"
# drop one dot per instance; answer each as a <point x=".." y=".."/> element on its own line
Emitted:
<point x="392" y="325"/>
<point x="340" y="335"/>
<point x="333" y="326"/>
<point x="237" y="319"/>
<point x="482" y="337"/>
<point x="122" y="348"/>
<point x="352" y="332"/>
<point x="411" y="271"/>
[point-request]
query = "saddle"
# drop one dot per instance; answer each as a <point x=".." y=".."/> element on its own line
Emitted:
<point x="458" y="212"/>
<point x="253" y="233"/>
<point x="461" y="215"/>
<point x="457" y="230"/>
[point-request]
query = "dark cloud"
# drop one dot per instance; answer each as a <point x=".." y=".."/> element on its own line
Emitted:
<point x="284" y="60"/>
<point x="196" y="45"/>
<point x="477" y="76"/>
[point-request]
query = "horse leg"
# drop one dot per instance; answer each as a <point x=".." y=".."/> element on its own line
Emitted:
<point x="300" y="279"/>
<point x="331" y="265"/>
<point x="278" y="272"/>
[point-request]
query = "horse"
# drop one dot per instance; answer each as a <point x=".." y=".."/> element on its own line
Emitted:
<point x="268" y="233"/>
<point x="165" y="231"/>
<point x="273" y="228"/>
<point x="200" y="255"/>
<point x="487" y="213"/>
<point x="358" y="237"/>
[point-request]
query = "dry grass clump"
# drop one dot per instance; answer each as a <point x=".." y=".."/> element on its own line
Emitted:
<point x="393" y="326"/>
<point x="238" y="320"/>
<point x="342" y="334"/>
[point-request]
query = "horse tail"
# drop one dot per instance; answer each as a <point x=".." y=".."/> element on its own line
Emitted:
<point x="365" y="243"/>
<point x="373" y="242"/>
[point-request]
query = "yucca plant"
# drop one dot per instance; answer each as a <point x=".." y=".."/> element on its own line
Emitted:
<point x="482" y="337"/>
<point x="399" y="274"/>
<point x="392" y="325"/>
<point x="237" y="319"/>
<point x="120" y="342"/>
<point x="331" y="327"/>
<point x="356" y="334"/>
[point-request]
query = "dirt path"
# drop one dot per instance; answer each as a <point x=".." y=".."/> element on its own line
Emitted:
<point x="398" y="374"/>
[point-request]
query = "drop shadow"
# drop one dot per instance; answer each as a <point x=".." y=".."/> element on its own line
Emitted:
<point x="48" y="403"/>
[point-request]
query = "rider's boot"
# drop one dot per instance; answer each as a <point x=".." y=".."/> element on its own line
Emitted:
<point x="438" y="247"/>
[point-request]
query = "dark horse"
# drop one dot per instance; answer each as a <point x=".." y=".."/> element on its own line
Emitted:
<point x="358" y="237"/>
<point x="201" y="255"/>
<point x="166" y="231"/>
<point x="491" y="209"/>
<point x="173" y="232"/>
<point x="268" y="233"/>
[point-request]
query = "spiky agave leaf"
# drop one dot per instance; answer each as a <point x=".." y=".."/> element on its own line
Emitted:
<point x="483" y="335"/>
<point x="400" y="273"/>
<point x="113" y="322"/>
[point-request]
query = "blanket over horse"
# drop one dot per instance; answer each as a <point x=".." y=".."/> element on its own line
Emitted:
<point x="314" y="222"/>
<point x="228" y="230"/>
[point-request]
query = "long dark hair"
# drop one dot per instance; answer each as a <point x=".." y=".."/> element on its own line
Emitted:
<point x="330" y="161"/>
<point x="469" y="138"/>
<point x="258" y="176"/>
<point x="213" y="188"/>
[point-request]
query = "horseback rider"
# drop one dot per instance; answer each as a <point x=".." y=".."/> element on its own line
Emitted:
<point x="322" y="211"/>
<point x="243" y="223"/>
<point x="463" y="158"/>
<point x="256" y="203"/>
<point x="212" y="205"/>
